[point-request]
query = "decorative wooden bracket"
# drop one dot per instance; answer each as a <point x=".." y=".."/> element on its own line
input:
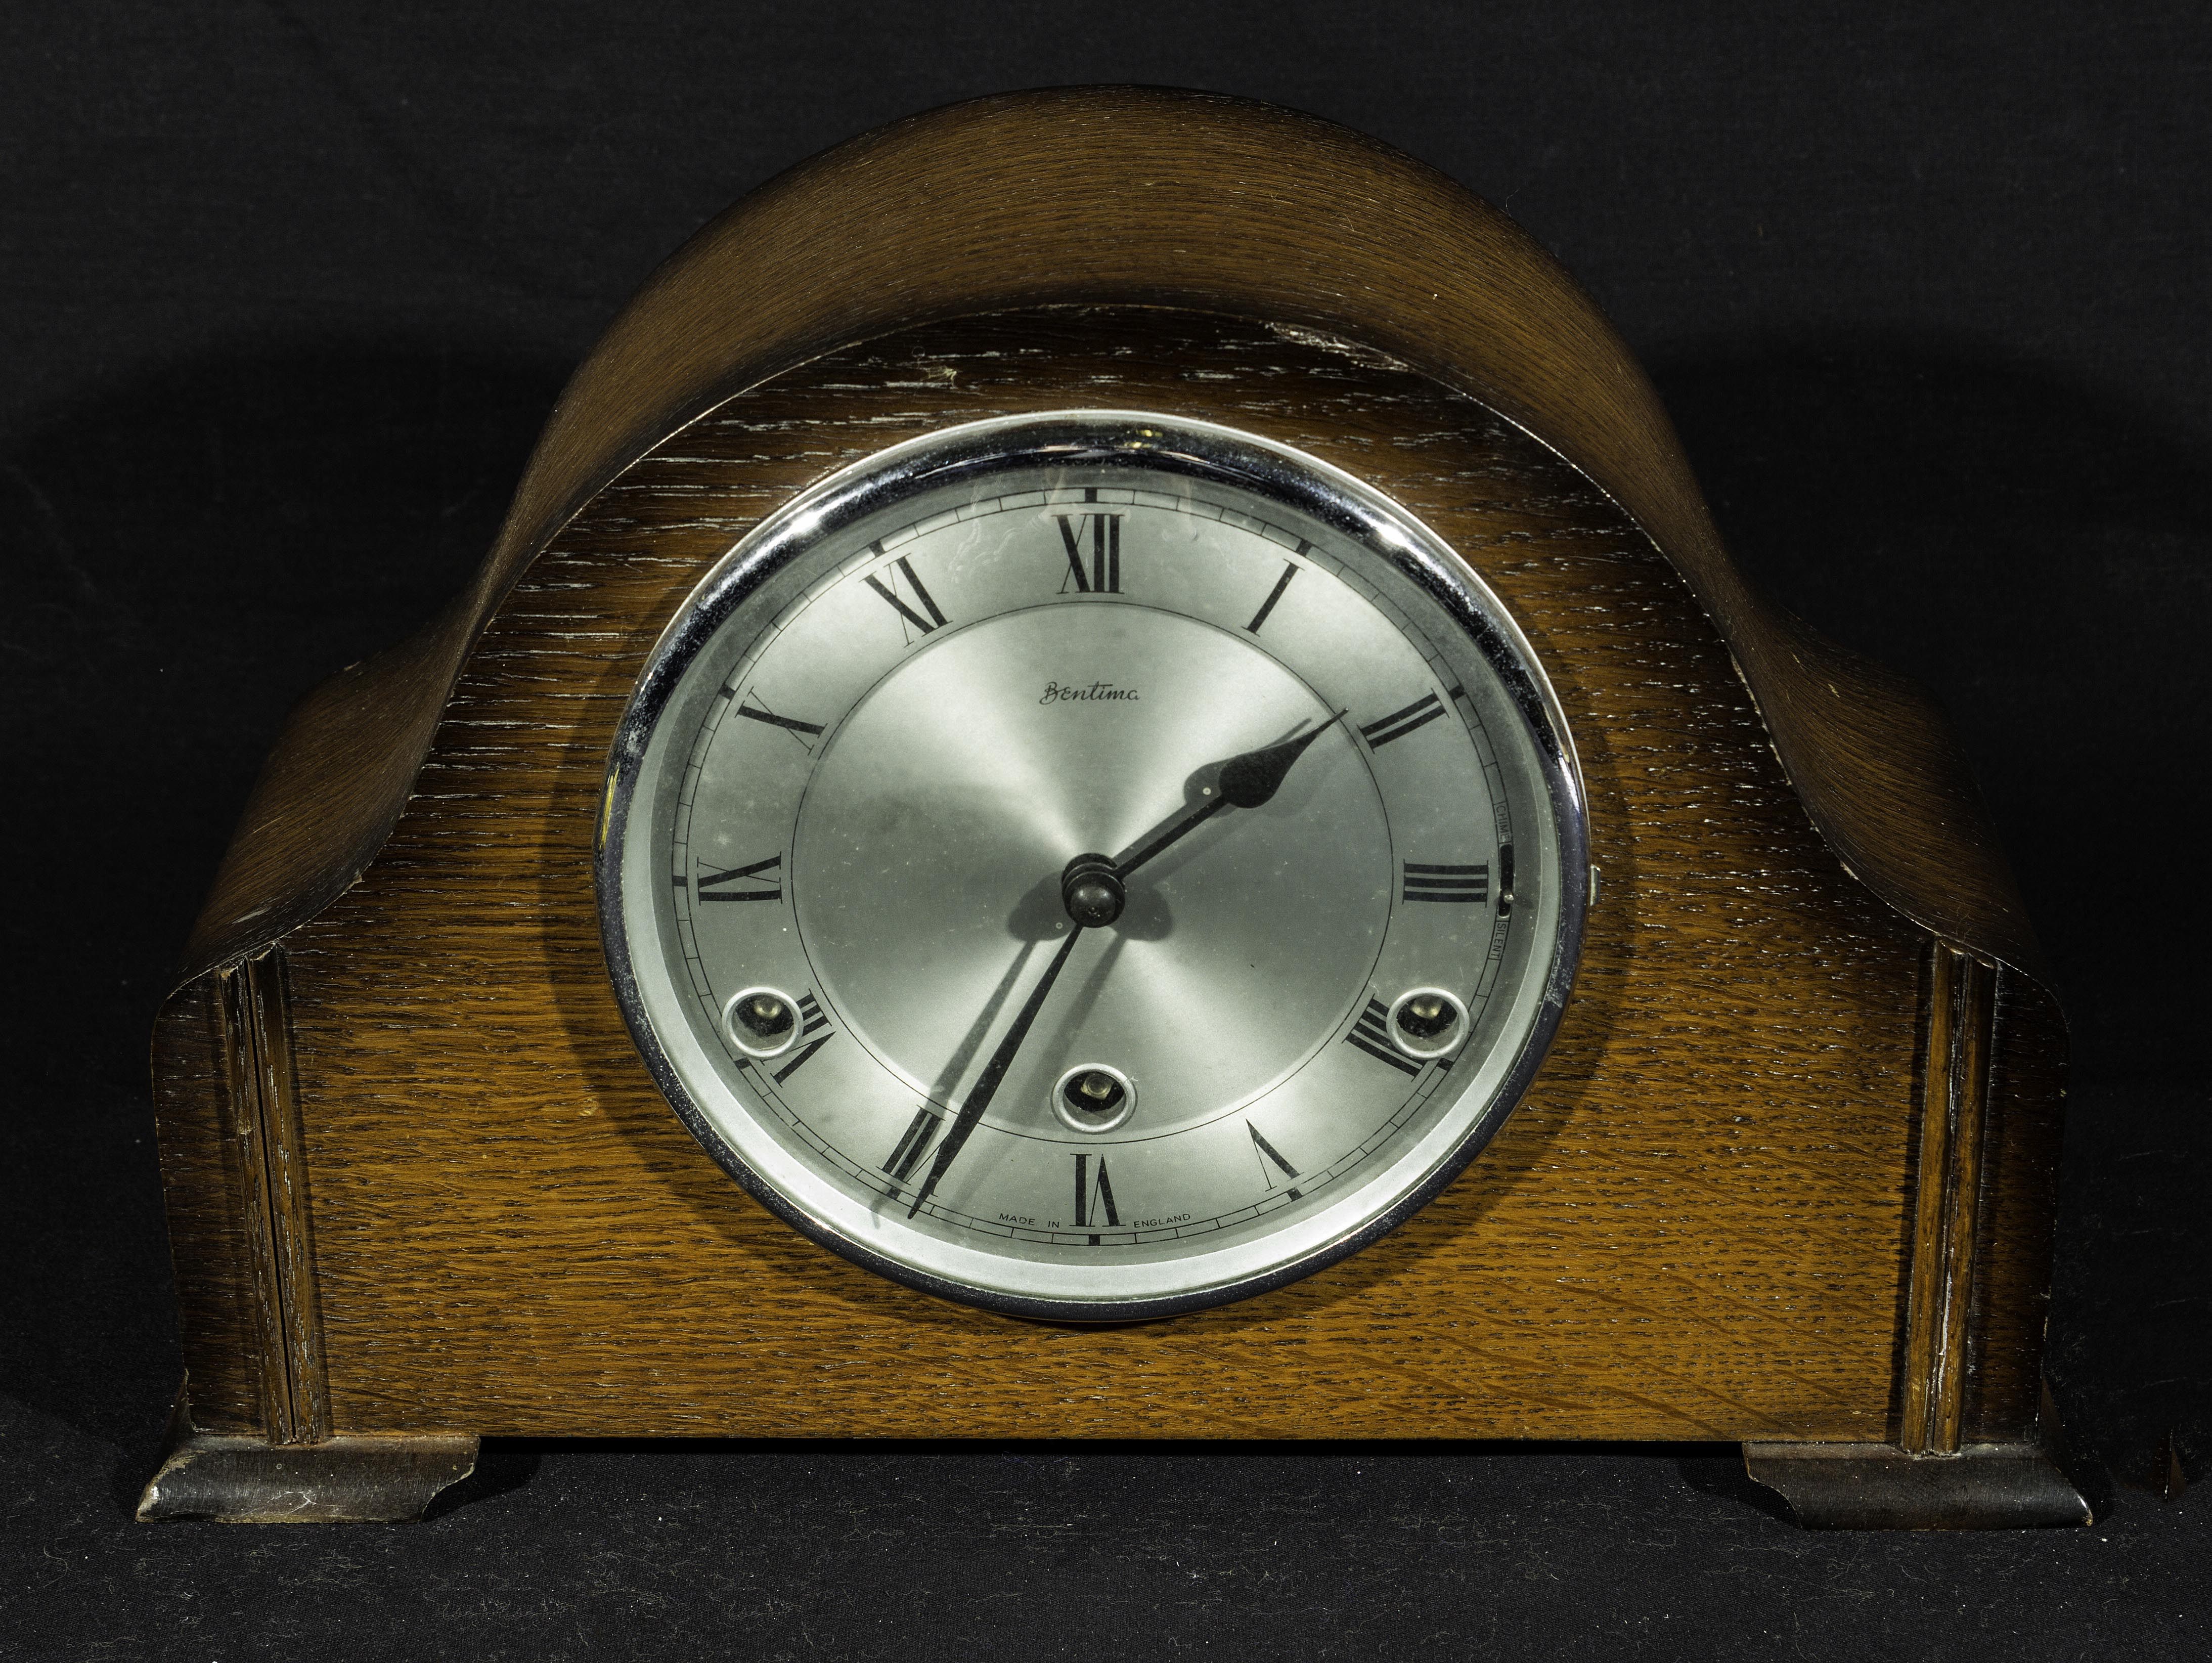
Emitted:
<point x="1930" y="1479"/>
<point x="344" y="1480"/>
<point x="256" y="1030"/>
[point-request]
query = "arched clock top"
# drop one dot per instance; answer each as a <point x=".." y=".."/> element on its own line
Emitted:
<point x="1216" y="204"/>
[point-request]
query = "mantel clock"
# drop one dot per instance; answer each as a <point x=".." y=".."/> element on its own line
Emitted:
<point x="1109" y="783"/>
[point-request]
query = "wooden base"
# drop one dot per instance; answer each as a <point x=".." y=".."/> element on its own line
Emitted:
<point x="2010" y="1486"/>
<point x="249" y="1481"/>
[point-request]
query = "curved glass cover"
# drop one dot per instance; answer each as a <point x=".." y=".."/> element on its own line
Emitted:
<point x="1092" y="866"/>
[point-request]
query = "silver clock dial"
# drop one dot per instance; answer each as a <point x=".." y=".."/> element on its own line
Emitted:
<point x="1092" y="866"/>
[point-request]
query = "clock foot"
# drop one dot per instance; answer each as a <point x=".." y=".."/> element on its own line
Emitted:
<point x="2007" y="1486"/>
<point x="344" y="1480"/>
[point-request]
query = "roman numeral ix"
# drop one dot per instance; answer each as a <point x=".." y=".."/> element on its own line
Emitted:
<point x="1371" y="1035"/>
<point x="902" y="566"/>
<point x="768" y="872"/>
<point x="1445" y="883"/>
<point x="1105" y="574"/>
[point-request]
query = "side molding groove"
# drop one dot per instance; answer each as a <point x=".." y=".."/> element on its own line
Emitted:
<point x="256" y="1030"/>
<point x="1947" y="1215"/>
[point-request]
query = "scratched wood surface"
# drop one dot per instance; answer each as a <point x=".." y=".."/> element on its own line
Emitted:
<point x="1694" y="1227"/>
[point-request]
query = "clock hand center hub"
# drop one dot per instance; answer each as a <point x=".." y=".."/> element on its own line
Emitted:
<point x="1091" y="890"/>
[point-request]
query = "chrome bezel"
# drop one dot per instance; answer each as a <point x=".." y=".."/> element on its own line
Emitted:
<point x="1071" y="440"/>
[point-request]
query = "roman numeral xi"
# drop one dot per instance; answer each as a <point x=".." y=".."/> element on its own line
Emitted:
<point x="899" y="568"/>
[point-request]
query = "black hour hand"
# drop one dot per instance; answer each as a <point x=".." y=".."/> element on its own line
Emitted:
<point x="1249" y="780"/>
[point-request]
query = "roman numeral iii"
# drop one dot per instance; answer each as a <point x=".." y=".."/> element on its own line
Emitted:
<point x="1445" y="883"/>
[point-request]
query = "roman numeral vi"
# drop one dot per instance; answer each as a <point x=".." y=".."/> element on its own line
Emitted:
<point x="1094" y="1199"/>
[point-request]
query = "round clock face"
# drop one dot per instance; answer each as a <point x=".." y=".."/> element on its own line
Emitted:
<point x="1092" y="866"/>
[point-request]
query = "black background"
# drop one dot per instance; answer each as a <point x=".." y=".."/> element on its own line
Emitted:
<point x="285" y="293"/>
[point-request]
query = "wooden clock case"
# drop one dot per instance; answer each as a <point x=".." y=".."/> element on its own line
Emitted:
<point x="1786" y="1177"/>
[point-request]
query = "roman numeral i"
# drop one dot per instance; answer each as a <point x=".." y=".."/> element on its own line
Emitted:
<point x="1270" y="1155"/>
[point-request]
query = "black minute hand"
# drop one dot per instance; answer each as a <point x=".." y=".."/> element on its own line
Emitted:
<point x="1247" y="781"/>
<point x="994" y="1072"/>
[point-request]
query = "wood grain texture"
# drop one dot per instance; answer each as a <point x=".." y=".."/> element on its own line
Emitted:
<point x="1697" y="1225"/>
<point x="1217" y="205"/>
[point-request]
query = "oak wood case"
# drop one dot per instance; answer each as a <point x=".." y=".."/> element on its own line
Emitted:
<point x="1785" y="1176"/>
